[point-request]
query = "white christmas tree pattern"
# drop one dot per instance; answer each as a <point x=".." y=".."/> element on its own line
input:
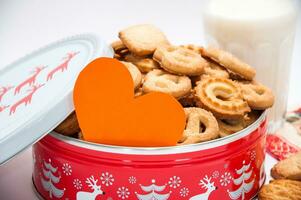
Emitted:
<point x="244" y="180"/>
<point x="184" y="192"/>
<point x="107" y="179"/>
<point x="77" y="184"/>
<point x="132" y="180"/>
<point x="67" y="170"/>
<point x="152" y="192"/>
<point x="51" y="179"/>
<point x="123" y="192"/>
<point x="225" y="179"/>
<point x="174" y="182"/>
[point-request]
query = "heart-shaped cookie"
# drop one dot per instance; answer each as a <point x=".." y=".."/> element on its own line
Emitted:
<point x="108" y="112"/>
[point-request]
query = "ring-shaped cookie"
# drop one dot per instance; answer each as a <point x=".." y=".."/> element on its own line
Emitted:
<point x="258" y="96"/>
<point x="222" y="97"/>
<point x="196" y="118"/>
<point x="181" y="61"/>
<point x="160" y="81"/>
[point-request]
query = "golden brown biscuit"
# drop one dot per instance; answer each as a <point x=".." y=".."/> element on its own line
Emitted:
<point x="193" y="47"/>
<point x="281" y="190"/>
<point x="160" y="81"/>
<point x="257" y="95"/>
<point x="144" y="64"/>
<point x="230" y="62"/>
<point x="180" y="61"/>
<point x="135" y="73"/>
<point x="193" y="133"/>
<point x="222" y="97"/>
<point x="69" y="126"/>
<point x="289" y="168"/>
<point x="215" y="70"/>
<point x="142" y="40"/>
<point x="228" y="127"/>
<point x="120" y="50"/>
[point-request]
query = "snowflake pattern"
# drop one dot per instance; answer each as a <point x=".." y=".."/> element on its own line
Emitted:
<point x="225" y="179"/>
<point x="253" y="155"/>
<point x="107" y="179"/>
<point x="123" y="192"/>
<point x="132" y="180"/>
<point x="215" y="174"/>
<point x="67" y="170"/>
<point x="174" y="182"/>
<point x="184" y="192"/>
<point x="77" y="184"/>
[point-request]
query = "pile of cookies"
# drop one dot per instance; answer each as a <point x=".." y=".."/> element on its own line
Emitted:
<point x="216" y="89"/>
<point x="287" y="183"/>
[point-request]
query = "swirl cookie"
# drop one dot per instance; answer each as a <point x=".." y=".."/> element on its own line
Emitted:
<point x="257" y="95"/>
<point x="196" y="118"/>
<point x="230" y="62"/>
<point x="69" y="126"/>
<point x="281" y="190"/>
<point x="135" y="73"/>
<point x="142" y="40"/>
<point x="160" y="81"/>
<point x="144" y="64"/>
<point x="222" y="97"/>
<point x="179" y="60"/>
<point x="289" y="168"/>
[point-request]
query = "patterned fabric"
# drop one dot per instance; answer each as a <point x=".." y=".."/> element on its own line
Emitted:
<point x="280" y="147"/>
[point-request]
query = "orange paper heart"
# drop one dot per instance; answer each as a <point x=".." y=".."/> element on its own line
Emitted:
<point x="108" y="112"/>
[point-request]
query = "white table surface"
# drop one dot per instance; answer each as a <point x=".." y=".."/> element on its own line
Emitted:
<point x="27" y="25"/>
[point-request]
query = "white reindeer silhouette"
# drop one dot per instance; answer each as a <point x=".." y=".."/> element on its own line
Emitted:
<point x="209" y="186"/>
<point x="90" y="195"/>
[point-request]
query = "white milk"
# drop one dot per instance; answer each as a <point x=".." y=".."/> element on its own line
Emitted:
<point x="261" y="33"/>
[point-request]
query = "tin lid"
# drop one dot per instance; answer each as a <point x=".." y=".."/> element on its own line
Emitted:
<point x="36" y="90"/>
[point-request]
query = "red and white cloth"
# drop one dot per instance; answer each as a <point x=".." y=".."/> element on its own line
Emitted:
<point x="286" y="141"/>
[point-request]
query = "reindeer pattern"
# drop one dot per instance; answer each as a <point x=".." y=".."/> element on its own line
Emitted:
<point x="207" y="185"/>
<point x="92" y="183"/>
<point x="4" y="90"/>
<point x="25" y="100"/>
<point x="31" y="83"/>
<point x="30" y="80"/>
<point x="63" y="66"/>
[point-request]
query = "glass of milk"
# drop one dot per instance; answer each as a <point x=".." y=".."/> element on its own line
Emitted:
<point x="261" y="33"/>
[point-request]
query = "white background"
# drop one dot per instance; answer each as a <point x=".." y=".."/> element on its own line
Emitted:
<point x="27" y="25"/>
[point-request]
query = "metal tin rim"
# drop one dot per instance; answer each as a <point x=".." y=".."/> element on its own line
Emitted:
<point x="161" y="150"/>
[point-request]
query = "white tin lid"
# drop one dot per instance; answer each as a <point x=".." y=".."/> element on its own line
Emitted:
<point x="36" y="90"/>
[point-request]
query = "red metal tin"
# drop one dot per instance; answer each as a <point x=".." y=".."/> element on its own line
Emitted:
<point x="227" y="168"/>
